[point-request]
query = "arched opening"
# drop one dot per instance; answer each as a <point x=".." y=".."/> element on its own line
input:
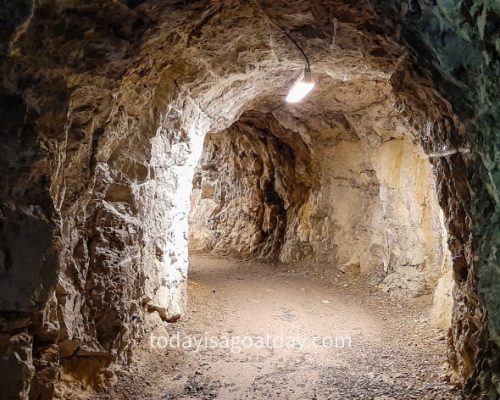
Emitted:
<point x="343" y="199"/>
<point x="341" y="190"/>
<point x="325" y="193"/>
<point x="106" y="111"/>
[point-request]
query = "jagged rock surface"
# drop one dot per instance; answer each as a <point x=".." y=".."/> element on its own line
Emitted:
<point x="104" y="109"/>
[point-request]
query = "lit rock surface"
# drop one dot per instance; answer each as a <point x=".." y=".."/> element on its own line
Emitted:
<point x="104" y="109"/>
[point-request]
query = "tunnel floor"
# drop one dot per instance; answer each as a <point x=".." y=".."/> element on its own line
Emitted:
<point x="288" y="335"/>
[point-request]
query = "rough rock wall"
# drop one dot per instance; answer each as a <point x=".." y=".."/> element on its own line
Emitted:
<point x="104" y="108"/>
<point x="248" y="182"/>
<point x="457" y="44"/>
<point x="411" y="225"/>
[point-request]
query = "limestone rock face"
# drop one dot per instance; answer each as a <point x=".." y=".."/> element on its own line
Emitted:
<point x="250" y="179"/>
<point x="105" y="106"/>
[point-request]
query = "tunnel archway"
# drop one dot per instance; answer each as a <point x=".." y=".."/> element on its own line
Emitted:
<point x="105" y="117"/>
<point x="325" y="193"/>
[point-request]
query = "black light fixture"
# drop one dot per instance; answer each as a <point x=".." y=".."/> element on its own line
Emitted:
<point x="303" y="86"/>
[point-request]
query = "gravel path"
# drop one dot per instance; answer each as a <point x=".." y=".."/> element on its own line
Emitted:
<point x="277" y="334"/>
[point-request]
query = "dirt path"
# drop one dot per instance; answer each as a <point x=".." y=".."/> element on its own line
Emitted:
<point x="293" y="334"/>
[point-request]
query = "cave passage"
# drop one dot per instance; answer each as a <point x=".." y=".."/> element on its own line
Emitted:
<point x="319" y="268"/>
<point x="330" y="238"/>
<point x="154" y="182"/>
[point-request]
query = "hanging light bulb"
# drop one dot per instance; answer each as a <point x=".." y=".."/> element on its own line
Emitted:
<point x="301" y="88"/>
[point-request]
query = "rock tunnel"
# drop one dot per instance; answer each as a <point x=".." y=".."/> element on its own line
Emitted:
<point x="138" y="133"/>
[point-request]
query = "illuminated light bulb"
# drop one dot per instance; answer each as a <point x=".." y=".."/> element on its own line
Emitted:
<point x="301" y="88"/>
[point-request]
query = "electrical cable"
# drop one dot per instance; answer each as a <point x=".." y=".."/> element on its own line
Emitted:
<point x="308" y="64"/>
